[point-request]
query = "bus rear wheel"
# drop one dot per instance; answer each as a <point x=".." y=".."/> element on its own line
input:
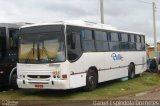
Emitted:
<point x="91" y="80"/>
<point x="131" y="71"/>
<point x="14" y="81"/>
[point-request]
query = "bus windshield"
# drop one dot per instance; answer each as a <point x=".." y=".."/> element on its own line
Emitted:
<point x="42" y="47"/>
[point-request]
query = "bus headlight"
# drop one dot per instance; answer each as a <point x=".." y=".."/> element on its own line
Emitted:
<point x="21" y="76"/>
<point x="56" y="74"/>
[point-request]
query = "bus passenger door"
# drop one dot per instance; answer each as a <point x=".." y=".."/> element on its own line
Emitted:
<point x="74" y="53"/>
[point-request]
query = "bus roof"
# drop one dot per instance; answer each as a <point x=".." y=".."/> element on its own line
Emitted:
<point x="12" y="25"/>
<point x="84" y="24"/>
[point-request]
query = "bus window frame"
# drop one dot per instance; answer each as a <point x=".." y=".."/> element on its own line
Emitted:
<point x="9" y="36"/>
<point x="69" y="42"/>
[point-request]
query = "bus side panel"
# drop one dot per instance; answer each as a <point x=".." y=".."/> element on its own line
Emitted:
<point x="117" y="63"/>
<point x="108" y="66"/>
<point x="115" y="66"/>
<point x="78" y="80"/>
<point x="139" y="58"/>
<point x="95" y="59"/>
<point x="77" y="73"/>
<point x="82" y="65"/>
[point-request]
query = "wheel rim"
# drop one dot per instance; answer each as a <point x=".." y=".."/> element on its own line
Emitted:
<point x="91" y="82"/>
<point x="132" y="74"/>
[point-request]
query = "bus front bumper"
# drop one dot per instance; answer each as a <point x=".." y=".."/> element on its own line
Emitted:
<point x="52" y="84"/>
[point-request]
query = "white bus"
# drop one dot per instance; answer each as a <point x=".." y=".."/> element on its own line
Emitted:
<point x="72" y="54"/>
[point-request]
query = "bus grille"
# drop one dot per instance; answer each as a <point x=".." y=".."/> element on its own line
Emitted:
<point x="39" y="76"/>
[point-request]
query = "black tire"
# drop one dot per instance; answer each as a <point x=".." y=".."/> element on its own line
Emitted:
<point x="91" y="80"/>
<point x="14" y="81"/>
<point x="131" y="71"/>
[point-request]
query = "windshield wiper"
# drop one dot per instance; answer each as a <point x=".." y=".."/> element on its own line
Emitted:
<point x="45" y="51"/>
<point x="30" y="52"/>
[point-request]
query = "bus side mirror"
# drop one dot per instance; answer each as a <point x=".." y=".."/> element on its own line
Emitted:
<point x="73" y="40"/>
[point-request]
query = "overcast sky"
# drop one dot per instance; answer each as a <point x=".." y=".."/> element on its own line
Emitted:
<point x="122" y="14"/>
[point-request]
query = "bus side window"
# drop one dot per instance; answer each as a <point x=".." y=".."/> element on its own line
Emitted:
<point x="114" y="41"/>
<point x="101" y="41"/>
<point x="125" y="42"/>
<point x="88" y="41"/>
<point x="132" y="42"/>
<point x="74" y="46"/>
<point x="143" y="42"/>
<point x="138" y="43"/>
<point x="13" y="38"/>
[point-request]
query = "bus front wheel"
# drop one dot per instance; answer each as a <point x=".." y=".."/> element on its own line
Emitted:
<point x="91" y="80"/>
<point x="14" y="81"/>
<point x="131" y="71"/>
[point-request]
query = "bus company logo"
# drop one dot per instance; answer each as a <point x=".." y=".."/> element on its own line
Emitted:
<point x="117" y="56"/>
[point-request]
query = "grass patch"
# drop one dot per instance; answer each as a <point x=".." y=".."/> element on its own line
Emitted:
<point x="104" y="90"/>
